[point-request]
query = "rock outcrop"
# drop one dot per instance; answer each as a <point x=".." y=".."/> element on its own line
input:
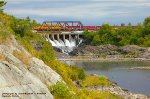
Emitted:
<point x="24" y="81"/>
<point x="95" y="50"/>
<point x="110" y="51"/>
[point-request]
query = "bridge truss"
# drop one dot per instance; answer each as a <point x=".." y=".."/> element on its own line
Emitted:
<point x="60" y="26"/>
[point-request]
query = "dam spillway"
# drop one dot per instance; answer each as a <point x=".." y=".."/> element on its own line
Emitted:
<point x="66" y="41"/>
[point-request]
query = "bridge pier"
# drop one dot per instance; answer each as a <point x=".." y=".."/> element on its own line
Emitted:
<point x="64" y="37"/>
<point x="77" y="38"/>
<point x="70" y="37"/>
<point x="58" y="37"/>
<point x="53" y="37"/>
<point x="47" y="36"/>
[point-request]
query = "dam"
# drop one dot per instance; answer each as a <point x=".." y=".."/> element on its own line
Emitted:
<point x="65" y="35"/>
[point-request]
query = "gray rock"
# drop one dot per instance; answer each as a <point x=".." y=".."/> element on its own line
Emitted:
<point x="13" y="80"/>
<point x="17" y="78"/>
<point x="44" y="72"/>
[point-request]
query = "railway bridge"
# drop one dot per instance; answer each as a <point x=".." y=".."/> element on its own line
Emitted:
<point x="61" y="30"/>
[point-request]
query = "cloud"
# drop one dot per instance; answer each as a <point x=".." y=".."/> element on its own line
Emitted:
<point x="80" y="9"/>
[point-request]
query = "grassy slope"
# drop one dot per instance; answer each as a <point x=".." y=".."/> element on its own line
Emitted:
<point x="45" y="53"/>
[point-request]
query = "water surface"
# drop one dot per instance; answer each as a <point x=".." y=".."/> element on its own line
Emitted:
<point x="137" y="81"/>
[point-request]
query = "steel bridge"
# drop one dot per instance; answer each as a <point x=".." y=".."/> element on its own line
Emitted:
<point x="63" y="26"/>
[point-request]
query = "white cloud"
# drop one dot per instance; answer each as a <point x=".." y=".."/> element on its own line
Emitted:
<point x="78" y="8"/>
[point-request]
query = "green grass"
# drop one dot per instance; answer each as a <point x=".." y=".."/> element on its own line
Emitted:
<point x="95" y="80"/>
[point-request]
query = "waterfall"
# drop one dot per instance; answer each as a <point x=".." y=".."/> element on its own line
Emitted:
<point x="66" y="46"/>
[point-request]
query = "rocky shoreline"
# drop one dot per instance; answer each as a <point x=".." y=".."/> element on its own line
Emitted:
<point x="101" y="59"/>
<point x="140" y="68"/>
<point x="106" y="53"/>
<point x="116" y="90"/>
<point x="112" y="51"/>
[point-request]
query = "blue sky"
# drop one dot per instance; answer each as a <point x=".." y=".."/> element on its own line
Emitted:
<point x="89" y="12"/>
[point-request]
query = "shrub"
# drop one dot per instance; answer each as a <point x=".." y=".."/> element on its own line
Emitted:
<point x="95" y="80"/>
<point x="81" y="74"/>
<point x="61" y="91"/>
<point x="77" y="73"/>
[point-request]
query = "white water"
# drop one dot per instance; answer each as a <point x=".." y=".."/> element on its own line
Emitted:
<point x="66" y="46"/>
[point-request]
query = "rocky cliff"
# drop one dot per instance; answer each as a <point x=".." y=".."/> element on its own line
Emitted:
<point x="24" y="81"/>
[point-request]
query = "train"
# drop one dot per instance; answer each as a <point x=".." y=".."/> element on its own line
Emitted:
<point x="68" y="28"/>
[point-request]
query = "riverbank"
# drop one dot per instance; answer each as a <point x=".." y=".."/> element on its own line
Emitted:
<point x="114" y="89"/>
<point x="106" y="53"/>
<point x="112" y="51"/>
<point x="124" y="72"/>
<point x="101" y="59"/>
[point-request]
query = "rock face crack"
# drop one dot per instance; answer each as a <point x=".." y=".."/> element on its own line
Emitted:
<point x="7" y="66"/>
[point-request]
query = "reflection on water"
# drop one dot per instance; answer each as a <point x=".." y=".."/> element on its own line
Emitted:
<point x="137" y="81"/>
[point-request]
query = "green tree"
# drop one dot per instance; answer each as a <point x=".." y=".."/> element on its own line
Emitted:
<point x="146" y="21"/>
<point x="20" y="26"/>
<point x="88" y="36"/>
<point x="28" y="19"/>
<point x="34" y="23"/>
<point x="139" y="24"/>
<point x="96" y="40"/>
<point x="146" y="30"/>
<point x="129" y="24"/>
<point x="2" y="3"/>
<point x="122" y="24"/>
<point x="106" y="34"/>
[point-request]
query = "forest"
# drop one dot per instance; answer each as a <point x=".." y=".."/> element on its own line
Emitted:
<point x="121" y="36"/>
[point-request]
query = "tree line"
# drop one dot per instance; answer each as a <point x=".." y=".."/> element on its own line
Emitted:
<point x="121" y="36"/>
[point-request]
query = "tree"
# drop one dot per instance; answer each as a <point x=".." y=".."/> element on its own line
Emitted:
<point x="139" y="24"/>
<point x="146" y="29"/>
<point x="129" y="24"/>
<point x="34" y="23"/>
<point x="28" y="19"/>
<point x="2" y="3"/>
<point x="96" y="40"/>
<point x="146" y="21"/>
<point x="122" y="24"/>
<point x="88" y="36"/>
<point x="106" y="34"/>
<point x="20" y="26"/>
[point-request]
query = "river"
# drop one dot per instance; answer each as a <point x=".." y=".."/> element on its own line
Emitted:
<point x="136" y="81"/>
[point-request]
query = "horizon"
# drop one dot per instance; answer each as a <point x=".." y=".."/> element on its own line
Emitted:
<point x="89" y="12"/>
